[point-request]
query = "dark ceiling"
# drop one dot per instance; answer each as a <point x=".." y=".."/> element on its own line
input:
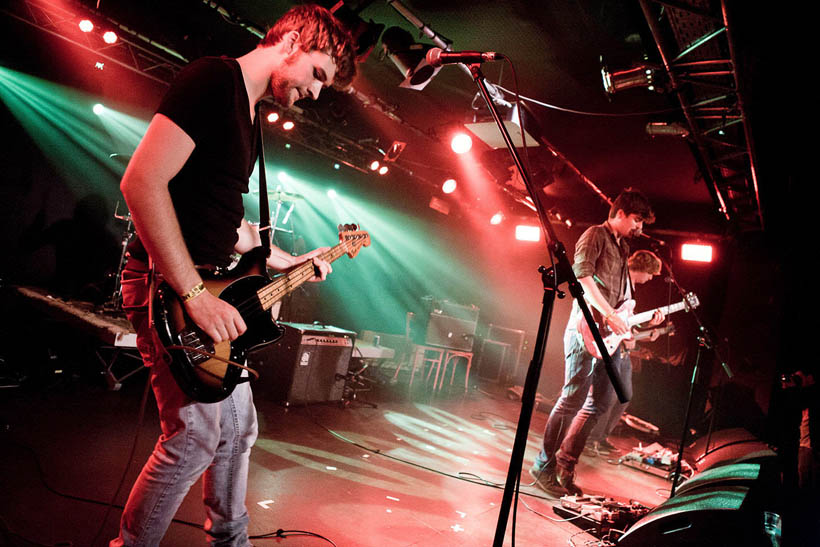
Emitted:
<point x="556" y="48"/>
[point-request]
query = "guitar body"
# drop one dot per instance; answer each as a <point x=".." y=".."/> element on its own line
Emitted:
<point x="199" y="366"/>
<point x="204" y="378"/>
<point x="611" y="340"/>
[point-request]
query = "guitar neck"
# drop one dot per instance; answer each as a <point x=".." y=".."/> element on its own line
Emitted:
<point x="282" y="286"/>
<point x="645" y="316"/>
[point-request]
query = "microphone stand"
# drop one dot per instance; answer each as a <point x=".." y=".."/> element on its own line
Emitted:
<point x="551" y="278"/>
<point x="705" y="341"/>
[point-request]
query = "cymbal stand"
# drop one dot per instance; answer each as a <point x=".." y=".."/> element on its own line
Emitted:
<point x="114" y="303"/>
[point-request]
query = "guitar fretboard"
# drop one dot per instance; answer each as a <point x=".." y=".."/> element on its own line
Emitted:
<point x="284" y="285"/>
<point x="642" y="317"/>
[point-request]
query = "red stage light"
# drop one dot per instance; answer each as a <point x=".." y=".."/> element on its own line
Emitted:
<point x="383" y="170"/>
<point x="461" y="143"/>
<point x="524" y="232"/>
<point x="273" y="117"/>
<point x="497" y="218"/>
<point x="696" y="252"/>
<point x="449" y="186"/>
<point x="374" y="165"/>
<point x="86" y="25"/>
<point x="288" y="125"/>
<point x="109" y="37"/>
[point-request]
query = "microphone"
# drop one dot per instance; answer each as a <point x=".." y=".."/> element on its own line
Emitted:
<point x="437" y="57"/>
<point x="651" y="238"/>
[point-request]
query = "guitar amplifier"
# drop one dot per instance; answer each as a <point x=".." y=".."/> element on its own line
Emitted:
<point x="308" y="364"/>
<point x="513" y="356"/>
<point x="450" y="332"/>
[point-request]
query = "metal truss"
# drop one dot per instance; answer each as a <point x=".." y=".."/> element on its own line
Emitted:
<point x="132" y="50"/>
<point x="700" y="58"/>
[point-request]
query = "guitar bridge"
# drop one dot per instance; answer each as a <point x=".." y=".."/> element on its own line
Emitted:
<point x="192" y="339"/>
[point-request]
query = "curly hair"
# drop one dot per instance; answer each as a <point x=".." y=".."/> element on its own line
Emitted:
<point x="645" y="261"/>
<point x="633" y="201"/>
<point x="318" y="30"/>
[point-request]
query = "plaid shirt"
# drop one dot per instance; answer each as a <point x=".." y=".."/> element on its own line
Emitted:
<point x="597" y="254"/>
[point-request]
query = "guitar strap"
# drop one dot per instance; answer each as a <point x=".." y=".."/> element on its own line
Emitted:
<point x="265" y="231"/>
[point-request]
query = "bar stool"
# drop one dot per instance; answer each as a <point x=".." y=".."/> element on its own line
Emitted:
<point x="455" y="354"/>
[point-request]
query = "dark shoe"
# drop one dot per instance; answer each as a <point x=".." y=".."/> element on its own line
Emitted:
<point x="566" y="479"/>
<point x="546" y="481"/>
<point x="608" y="446"/>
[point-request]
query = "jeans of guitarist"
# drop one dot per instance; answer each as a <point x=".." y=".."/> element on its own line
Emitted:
<point x="586" y="387"/>
<point x="610" y="418"/>
<point x="211" y="440"/>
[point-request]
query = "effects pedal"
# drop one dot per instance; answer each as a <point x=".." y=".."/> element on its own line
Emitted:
<point x="604" y="518"/>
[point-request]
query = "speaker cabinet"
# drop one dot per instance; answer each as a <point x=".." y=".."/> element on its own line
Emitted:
<point x="491" y="360"/>
<point x="450" y="332"/>
<point x="727" y="445"/>
<point x="307" y="365"/>
<point x="732" y="504"/>
<point x="512" y="359"/>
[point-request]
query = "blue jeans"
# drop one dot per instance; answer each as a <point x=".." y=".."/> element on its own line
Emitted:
<point x="586" y="395"/>
<point x="197" y="438"/>
<point x="610" y="418"/>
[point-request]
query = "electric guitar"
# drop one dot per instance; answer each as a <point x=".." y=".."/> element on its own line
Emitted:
<point x="209" y="372"/>
<point x="624" y="311"/>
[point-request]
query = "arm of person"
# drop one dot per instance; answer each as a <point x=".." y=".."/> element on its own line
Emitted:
<point x="279" y="260"/>
<point x="160" y="155"/>
<point x="597" y="301"/>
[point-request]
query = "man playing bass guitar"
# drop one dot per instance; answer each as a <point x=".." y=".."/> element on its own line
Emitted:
<point x="184" y="189"/>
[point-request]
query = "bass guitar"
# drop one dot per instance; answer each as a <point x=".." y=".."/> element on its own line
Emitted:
<point x="624" y="311"/>
<point x="209" y="372"/>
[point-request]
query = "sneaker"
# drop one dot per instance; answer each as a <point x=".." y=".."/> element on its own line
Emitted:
<point x="566" y="479"/>
<point x="608" y="446"/>
<point x="545" y="480"/>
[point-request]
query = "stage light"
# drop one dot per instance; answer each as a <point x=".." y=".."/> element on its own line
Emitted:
<point x="109" y="37"/>
<point x="524" y="232"/>
<point x="99" y="65"/>
<point x="383" y="170"/>
<point x="332" y="193"/>
<point x="287" y="146"/>
<point x="497" y="218"/>
<point x="438" y="204"/>
<point x="337" y="166"/>
<point x="673" y="129"/>
<point x="394" y="151"/>
<point x="642" y="75"/>
<point x="461" y="143"/>
<point x="449" y="186"/>
<point x="696" y="252"/>
<point x="86" y="25"/>
<point x="98" y="109"/>
<point x="374" y="165"/>
<point x="273" y="117"/>
<point x="409" y="57"/>
<point x="288" y="125"/>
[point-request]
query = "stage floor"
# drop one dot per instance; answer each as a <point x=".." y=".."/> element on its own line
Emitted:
<point x="419" y="469"/>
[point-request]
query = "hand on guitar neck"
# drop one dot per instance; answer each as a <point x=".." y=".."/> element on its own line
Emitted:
<point x="612" y="338"/>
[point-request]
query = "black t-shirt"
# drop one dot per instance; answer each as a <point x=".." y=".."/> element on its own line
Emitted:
<point x="208" y="100"/>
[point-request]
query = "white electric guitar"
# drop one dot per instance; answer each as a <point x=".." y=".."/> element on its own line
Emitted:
<point x="624" y="311"/>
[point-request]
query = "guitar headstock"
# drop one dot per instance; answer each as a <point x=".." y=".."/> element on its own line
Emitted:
<point x="691" y="300"/>
<point x="355" y="238"/>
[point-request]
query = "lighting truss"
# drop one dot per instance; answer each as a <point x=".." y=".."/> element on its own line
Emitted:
<point x="700" y="58"/>
<point x="131" y="51"/>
